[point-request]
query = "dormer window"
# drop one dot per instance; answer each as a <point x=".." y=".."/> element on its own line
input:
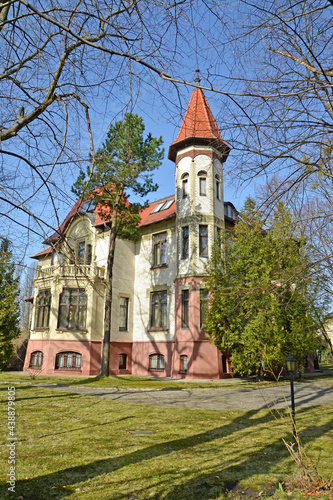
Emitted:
<point x="185" y="179"/>
<point x="202" y="183"/>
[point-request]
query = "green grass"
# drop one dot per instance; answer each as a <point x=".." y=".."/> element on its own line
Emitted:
<point x="77" y="447"/>
<point x="139" y="382"/>
<point x="128" y="381"/>
<point x="326" y="366"/>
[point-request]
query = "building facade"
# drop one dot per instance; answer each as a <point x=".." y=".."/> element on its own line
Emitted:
<point x="157" y="312"/>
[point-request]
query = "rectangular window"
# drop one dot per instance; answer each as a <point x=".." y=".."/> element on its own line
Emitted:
<point x="72" y="309"/>
<point x="123" y="314"/>
<point x="89" y="255"/>
<point x="203" y="241"/>
<point x="81" y="252"/>
<point x="122" y="361"/>
<point x="36" y="359"/>
<point x="68" y="361"/>
<point x="202" y="186"/>
<point x="185" y="186"/>
<point x="84" y="253"/>
<point x="43" y="309"/>
<point x="156" y="362"/>
<point x="185" y="242"/>
<point x="159" y="310"/>
<point x="203" y="306"/>
<point x="183" y="363"/>
<point x="185" y="308"/>
<point x="218" y="188"/>
<point x="159" y="249"/>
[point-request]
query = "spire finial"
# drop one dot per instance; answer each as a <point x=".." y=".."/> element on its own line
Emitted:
<point x="197" y="78"/>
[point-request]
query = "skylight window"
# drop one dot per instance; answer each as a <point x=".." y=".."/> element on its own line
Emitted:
<point x="164" y="205"/>
<point x="88" y="206"/>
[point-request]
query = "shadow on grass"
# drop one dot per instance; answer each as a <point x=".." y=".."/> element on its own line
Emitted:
<point x="42" y="487"/>
<point x="205" y="486"/>
<point x="222" y="480"/>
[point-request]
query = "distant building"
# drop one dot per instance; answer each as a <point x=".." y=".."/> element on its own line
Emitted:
<point x="157" y="281"/>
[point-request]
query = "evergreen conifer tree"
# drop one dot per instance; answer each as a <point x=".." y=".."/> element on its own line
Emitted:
<point x="124" y="165"/>
<point x="9" y="308"/>
<point x="264" y="294"/>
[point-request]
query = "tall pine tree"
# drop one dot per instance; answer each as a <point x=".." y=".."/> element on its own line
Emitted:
<point x="124" y="165"/>
<point x="9" y="307"/>
<point x="264" y="294"/>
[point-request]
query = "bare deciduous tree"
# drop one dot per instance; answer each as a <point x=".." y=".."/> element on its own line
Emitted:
<point x="63" y="65"/>
<point x="284" y="121"/>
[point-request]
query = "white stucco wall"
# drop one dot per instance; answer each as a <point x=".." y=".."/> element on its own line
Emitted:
<point x="148" y="280"/>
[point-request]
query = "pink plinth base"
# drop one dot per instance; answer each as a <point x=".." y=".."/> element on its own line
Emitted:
<point x="90" y="351"/>
<point x="204" y="360"/>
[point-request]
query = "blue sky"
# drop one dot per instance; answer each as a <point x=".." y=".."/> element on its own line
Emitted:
<point x="157" y="122"/>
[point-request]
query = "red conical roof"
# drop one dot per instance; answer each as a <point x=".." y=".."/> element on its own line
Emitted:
<point x="198" y="126"/>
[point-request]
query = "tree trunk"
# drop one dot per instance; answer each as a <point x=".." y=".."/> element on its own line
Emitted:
<point x="105" y="366"/>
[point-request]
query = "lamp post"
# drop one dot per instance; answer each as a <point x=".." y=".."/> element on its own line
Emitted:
<point x="291" y="365"/>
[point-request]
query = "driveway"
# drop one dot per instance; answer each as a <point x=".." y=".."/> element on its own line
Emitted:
<point x="306" y="394"/>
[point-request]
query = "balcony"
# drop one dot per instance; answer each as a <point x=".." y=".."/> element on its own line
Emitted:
<point x="68" y="271"/>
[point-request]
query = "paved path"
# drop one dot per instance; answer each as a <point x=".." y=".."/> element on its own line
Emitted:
<point x="312" y="394"/>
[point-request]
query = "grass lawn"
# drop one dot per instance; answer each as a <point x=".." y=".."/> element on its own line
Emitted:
<point x="326" y="366"/>
<point x="79" y="447"/>
<point x="137" y="382"/>
<point x="127" y="381"/>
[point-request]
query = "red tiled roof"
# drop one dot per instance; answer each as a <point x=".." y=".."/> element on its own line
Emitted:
<point x="44" y="252"/>
<point x="104" y="217"/>
<point x="198" y="123"/>
<point x="147" y="217"/>
<point x="73" y="211"/>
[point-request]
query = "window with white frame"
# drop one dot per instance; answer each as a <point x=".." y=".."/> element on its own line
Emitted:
<point x="68" y="361"/>
<point x="156" y="362"/>
<point x="183" y="363"/>
<point x="36" y="360"/>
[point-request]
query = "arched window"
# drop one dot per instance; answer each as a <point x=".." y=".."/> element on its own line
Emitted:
<point x="68" y="361"/>
<point x="202" y="183"/>
<point x="218" y="186"/>
<point x="122" y="361"/>
<point x="36" y="359"/>
<point x="183" y="363"/>
<point x="185" y="178"/>
<point x="156" y="362"/>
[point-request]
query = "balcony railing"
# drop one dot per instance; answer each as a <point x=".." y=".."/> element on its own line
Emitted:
<point x="76" y="271"/>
